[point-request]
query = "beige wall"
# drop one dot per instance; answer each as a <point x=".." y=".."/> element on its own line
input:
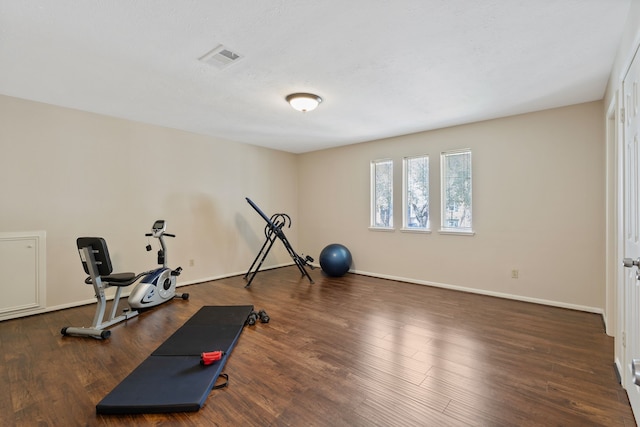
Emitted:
<point x="538" y="206"/>
<point x="538" y="201"/>
<point x="74" y="174"/>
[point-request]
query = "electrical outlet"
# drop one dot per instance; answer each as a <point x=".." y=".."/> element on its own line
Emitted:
<point x="514" y="274"/>
<point x="191" y="263"/>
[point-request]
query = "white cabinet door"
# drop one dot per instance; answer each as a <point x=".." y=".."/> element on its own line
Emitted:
<point x="22" y="273"/>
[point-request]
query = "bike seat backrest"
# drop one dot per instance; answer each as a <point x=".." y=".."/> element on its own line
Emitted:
<point x="100" y="253"/>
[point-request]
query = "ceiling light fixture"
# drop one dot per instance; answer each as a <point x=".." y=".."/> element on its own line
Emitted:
<point x="303" y="101"/>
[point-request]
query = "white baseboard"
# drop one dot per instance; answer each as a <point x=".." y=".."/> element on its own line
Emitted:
<point x="364" y="273"/>
<point x="485" y="292"/>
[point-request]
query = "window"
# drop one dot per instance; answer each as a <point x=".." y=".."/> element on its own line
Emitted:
<point x="382" y="194"/>
<point x="415" y="204"/>
<point x="455" y="167"/>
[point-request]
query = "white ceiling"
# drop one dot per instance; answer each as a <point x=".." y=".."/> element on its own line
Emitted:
<point x="383" y="67"/>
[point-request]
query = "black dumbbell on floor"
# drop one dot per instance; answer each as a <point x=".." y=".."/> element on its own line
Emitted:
<point x="264" y="317"/>
<point x="252" y="318"/>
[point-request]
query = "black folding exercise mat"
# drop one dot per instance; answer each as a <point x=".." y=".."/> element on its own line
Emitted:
<point x="172" y="378"/>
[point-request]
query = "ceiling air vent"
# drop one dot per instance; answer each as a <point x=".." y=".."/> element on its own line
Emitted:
<point x="220" y="57"/>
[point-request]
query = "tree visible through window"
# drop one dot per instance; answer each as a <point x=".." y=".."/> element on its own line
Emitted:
<point x="456" y="190"/>
<point x="416" y="193"/>
<point x="382" y="193"/>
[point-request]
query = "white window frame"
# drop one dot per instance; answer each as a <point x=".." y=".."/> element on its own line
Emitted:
<point x="444" y="227"/>
<point x="405" y="195"/>
<point x="374" y="203"/>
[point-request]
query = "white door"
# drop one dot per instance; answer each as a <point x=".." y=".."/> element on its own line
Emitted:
<point x="631" y="368"/>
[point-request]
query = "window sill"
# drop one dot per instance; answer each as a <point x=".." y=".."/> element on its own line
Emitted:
<point x="415" y="230"/>
<point x="382" y="229"/>
<point x="456" y="232"/>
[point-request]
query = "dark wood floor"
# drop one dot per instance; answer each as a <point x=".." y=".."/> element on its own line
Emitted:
<point x="351" y="351"/>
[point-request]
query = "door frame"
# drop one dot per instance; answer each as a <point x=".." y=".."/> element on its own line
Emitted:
<point x="614" y="293"/>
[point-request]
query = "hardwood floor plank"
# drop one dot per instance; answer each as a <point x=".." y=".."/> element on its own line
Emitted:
<point x="381" y="412"/>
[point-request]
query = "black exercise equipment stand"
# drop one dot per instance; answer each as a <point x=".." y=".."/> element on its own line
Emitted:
<point x="273" y="231"/>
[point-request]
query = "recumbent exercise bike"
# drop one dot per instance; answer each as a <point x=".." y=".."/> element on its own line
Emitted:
<point x="158" y="286"/>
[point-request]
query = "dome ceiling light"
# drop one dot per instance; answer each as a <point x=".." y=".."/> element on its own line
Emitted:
<point x="303" y="101"/>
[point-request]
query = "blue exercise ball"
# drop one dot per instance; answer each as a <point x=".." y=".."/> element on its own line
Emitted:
<point x="335" y="260"/>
